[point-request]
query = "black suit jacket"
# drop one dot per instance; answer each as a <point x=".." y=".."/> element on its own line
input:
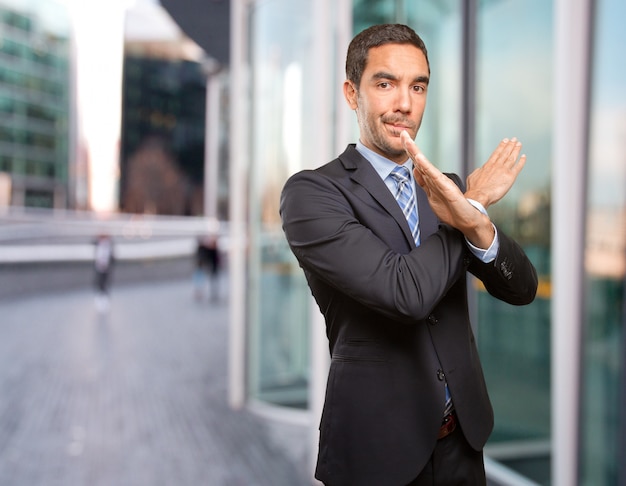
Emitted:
<point x="396" y="316"/>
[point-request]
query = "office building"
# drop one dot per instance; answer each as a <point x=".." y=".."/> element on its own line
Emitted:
<point x="164" y="122"/>
<point x="35" y="103"/>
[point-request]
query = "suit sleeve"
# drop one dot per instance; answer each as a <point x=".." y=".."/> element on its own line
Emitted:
<point x="326" y="233"/>
<point x="511" y="277"/>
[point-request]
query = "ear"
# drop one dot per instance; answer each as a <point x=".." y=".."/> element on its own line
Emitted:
<point x="350" y="93"/>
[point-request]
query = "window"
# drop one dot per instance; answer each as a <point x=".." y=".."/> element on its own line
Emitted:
<point x="604" y="348"/>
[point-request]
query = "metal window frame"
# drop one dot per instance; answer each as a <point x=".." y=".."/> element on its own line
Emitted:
<point x="572" y="71"/>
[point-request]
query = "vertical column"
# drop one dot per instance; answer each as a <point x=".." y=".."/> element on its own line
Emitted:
<point x="211" y="139"/>
<point x="333" y="29"/>
<point x="322" y="118"/>
<point x="469" y="14"/>
<point x="238" y="148"/>
<point x="342" y="14"/>
<point x="468" y="87"/>
<point x="571" y="89"/>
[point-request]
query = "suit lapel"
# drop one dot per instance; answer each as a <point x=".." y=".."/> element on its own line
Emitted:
<point x="428" y="221"/>
<point x="362" y="172"/>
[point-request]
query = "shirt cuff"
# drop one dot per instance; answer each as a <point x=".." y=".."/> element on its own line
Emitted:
<point x="488" y="255"/>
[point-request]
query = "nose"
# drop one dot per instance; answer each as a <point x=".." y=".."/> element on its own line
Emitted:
<point x="403" y="100"/>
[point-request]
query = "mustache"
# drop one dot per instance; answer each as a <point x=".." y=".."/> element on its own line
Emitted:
<point x="394" y="120"/>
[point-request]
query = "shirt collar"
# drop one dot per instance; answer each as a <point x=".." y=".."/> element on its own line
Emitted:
<point x="382" y="165"/>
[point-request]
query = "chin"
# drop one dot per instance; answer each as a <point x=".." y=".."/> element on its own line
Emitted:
<point x="395" y="153"/>
<point x="395" y="145"/>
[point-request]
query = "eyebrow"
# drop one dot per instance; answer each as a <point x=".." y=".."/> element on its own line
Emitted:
<point x="385" y="75"/>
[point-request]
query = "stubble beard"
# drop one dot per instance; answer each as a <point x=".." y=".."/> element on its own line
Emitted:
<point x="380" y="139"/>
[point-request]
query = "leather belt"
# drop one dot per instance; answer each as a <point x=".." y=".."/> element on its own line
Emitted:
<point x="447" y="426"/>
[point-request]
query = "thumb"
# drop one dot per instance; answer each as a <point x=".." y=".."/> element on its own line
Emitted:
<point x="409" y="145"/>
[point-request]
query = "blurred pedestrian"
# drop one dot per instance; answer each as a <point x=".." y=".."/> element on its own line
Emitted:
<point x="103" y="266"/>
<point x="207" y="268"/>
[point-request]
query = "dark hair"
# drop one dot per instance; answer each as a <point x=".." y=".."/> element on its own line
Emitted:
<point x="376" y="36"/>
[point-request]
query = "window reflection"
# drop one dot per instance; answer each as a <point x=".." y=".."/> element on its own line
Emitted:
<point x="280" y="50"/>
<point x="514" y="97"/>
<point x="514" y="342"/>
<point x="605" y="257"/>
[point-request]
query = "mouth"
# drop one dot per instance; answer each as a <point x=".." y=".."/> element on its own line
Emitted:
<point x="397" y="128"/>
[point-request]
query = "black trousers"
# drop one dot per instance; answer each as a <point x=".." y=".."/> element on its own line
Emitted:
<point x="453" y="463"/>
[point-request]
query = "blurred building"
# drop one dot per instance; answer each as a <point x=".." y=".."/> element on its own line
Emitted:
<point x="35" y="104"/>
<point x="65" y="142"/>
<point x="162" y="165"/>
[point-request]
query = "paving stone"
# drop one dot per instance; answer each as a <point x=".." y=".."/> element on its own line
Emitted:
<point x="136" y="396"/>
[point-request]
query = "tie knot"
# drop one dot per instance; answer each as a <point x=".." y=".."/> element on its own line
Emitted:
<point x="400" y="174"/>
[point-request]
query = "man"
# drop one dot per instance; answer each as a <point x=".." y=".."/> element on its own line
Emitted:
<point x="406" y="401"/>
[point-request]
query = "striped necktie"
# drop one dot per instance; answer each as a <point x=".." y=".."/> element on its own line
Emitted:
<point x="406" y="199"/>
<point x="449" y="405"/>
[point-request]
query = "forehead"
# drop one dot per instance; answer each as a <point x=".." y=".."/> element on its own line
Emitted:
<point x="397" y="59"/>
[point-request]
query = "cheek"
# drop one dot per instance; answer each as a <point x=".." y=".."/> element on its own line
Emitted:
<point x="371" y="106"/>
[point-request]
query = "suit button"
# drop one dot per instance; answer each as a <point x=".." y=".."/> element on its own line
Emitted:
<point x="440" y="375"/>
<point x="432" y="319"/>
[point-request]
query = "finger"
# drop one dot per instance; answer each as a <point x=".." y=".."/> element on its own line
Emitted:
<point x="430" y="173"/>
<point x="517" y="168"/>
<point x="515" y="149"/>
<point x="420" y="162"/>
<point x="427" y="172"/>
<point x="501" y="153"/>
<point x="418" y="177"/>
<point x="506" y="152"/>
<point x="419" y="159"/>
<point x="409" y="145"/>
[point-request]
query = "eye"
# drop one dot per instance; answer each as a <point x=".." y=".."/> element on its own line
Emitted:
<point x="419" y="88"/>
<point x="384" y="85"/>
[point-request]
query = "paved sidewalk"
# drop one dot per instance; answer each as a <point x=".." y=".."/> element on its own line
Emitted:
<point x="136" y="397"/>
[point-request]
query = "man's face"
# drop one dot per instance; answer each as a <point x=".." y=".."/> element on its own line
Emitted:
<point x="391" y="98"/>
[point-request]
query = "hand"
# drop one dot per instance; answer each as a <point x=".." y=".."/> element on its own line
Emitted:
<point x="446" y="199"/>
<point x="489" y="183"/>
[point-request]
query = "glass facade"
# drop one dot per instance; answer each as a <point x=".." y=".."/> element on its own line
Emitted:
<point x="491" y="79"/>
<point x="603" y="409"/>
<point x="281" y="141"/>
<point x="514" y="343"/>
<point x="34" y="101"/>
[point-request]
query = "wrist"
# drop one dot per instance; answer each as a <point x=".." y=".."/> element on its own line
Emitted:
<point x="481" y="200"/>
<point x="478" y="205"/>
<point x="481" y="233"/>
